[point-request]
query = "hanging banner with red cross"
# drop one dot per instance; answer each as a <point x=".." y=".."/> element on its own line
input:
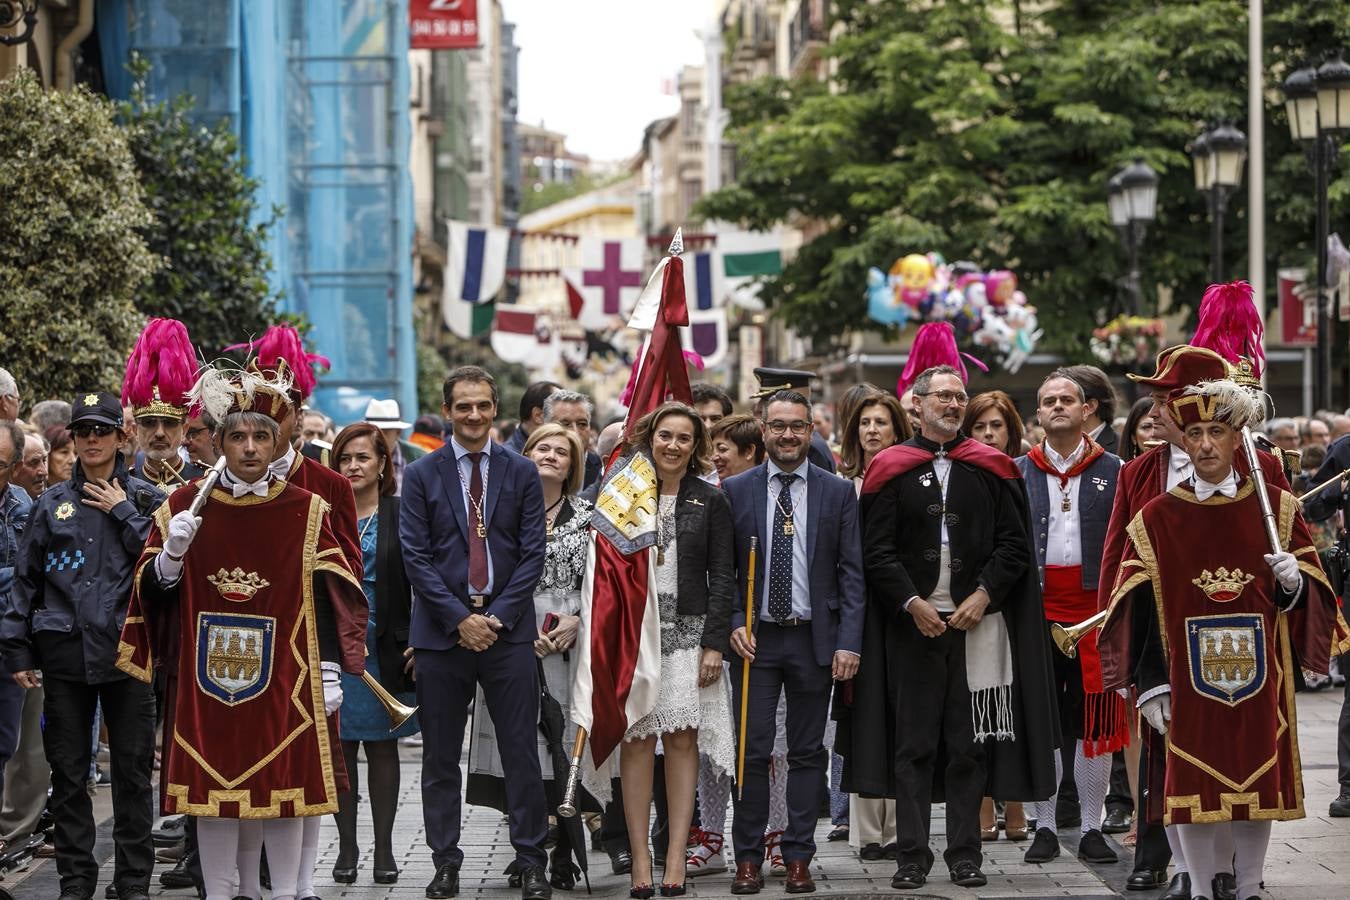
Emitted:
<point x="443" y="24"/>
<point x="606" y="287"/>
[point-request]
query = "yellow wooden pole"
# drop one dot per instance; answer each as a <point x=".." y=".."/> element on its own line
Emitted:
<point x="745" y="668"/>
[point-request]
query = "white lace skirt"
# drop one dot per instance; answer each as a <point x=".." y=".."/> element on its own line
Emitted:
<point x="680" y="703"/>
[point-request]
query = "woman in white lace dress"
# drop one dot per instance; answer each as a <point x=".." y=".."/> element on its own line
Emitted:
<point x="695" y="586"/>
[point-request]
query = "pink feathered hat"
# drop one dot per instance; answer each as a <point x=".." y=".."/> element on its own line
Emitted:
<point x="160" y="371"/>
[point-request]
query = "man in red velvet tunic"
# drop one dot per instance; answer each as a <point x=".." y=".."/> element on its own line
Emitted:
<point x="1140" y="480"/>
<point x="1207" y="628"/>
<point x="280" y="353"/>
<point x="265" y="626"/>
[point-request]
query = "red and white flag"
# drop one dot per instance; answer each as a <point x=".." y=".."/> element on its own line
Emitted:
<point x="619" y="671"/>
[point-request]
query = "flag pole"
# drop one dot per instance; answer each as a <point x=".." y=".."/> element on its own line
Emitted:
<point x="745" y="669"/>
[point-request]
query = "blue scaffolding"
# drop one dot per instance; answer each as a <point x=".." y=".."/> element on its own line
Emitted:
<point x="318" y="93"/>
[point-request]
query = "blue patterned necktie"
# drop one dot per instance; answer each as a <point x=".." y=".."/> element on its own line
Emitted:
<point x="780" y="564"/>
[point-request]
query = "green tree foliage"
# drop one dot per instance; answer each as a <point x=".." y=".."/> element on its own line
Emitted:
<point x="987" y="130"/>
<point x="215" y="274"/>
<point x="72" y="253"/>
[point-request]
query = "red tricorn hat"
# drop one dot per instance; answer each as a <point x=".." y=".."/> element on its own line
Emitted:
<point x="1183" y="365"/>
<point x="281" y="354"/>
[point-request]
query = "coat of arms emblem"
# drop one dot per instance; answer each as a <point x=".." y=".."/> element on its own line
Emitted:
<point x="1227" y="656"/>
<point x="234" y="655"/>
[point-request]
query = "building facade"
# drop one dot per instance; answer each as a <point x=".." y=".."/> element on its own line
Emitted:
<point x="318" y="93"/>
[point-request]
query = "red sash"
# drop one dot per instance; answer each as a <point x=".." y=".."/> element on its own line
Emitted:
<point x="1105" y="716"/>
<point x="1038" y="458"/>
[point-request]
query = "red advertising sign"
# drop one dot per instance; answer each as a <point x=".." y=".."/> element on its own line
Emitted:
<point x="1298" y="308"/>
<point x="443" y="24"/>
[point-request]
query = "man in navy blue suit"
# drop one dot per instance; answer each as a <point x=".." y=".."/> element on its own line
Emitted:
<point x="808" y="633"/>
<point x="472" y="525"/>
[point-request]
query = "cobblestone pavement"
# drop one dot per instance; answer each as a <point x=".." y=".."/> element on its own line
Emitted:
<point x="1308" y="859"/>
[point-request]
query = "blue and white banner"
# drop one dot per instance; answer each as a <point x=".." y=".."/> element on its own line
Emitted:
<point x="475" y="265"/>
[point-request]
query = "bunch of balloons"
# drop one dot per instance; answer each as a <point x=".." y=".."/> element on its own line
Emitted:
<point x="985" y="308"/>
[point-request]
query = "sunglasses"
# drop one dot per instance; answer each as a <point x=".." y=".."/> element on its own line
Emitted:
<point x="84" y="431"/>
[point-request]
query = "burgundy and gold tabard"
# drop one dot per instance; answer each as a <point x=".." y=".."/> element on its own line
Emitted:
<point x="1232" y="746"/>
<point x="246" y="736"/>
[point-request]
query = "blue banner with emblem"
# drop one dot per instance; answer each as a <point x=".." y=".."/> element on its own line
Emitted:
<point x="1227" y="656"/>
<point x="234" y="655"/>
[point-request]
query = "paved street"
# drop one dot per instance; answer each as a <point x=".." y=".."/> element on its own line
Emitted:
<point x="1308" y="859"/>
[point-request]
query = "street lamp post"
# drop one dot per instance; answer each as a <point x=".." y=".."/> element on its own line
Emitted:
<point x="1317" y="103"/>
<point x="1132" y="203"/>
<point x="1218" y="155"/>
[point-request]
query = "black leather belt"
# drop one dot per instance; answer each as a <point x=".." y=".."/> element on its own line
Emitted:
<point x="478" y="601"/>
<point x="789" y="623"/>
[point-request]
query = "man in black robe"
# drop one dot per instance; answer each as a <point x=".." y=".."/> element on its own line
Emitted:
<point x="957" y="680"/>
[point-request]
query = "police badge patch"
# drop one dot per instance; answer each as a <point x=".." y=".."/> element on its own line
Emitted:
<point x="1227" y="656"/>
<point x="65" y="510"/>
<point x="234" y="655"/>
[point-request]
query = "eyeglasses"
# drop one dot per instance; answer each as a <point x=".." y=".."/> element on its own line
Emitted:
<point x="944" y="397"/>
<point x="799" y="427"/>
<point x="83" y="431"/>
<point x="193" y="432"/>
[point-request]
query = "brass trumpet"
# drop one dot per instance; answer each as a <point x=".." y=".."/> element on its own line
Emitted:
<point x="1066" y="639"/>
<point x="398" y="712"/>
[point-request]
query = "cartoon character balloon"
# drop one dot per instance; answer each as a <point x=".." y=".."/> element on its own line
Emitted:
<point x="882" y="304"/>
<point x="914" y="272"/>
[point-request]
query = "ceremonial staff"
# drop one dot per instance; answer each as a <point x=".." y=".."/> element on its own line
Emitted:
<point x="1259" y="482"/>
<point x="208" y="482"/>
<point x="568" y="807"/>
<point x="745" y="669"/>
<point x="1304" y="498"/>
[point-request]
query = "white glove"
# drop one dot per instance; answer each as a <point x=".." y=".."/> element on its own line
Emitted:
<point x="1158" y="712"/>
<point x="1286" y="570"/>
<point x="332" y="688"/>
<point x="182" y="529"/>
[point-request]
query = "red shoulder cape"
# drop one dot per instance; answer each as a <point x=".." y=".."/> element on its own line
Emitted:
<point x="896" y="460"/>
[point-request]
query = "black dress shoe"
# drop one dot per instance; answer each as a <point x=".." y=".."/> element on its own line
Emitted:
<point x="1117" y="821"/>
<point x="1044" y="847"/>
<point x="1225" y="886"/>
<point x="966" y="874"/>
<point x="909" y="877"/>
<point x="620" y="861"/>
<point x="871" y="852"/>
<point x="344" y="874"/>
<point x="180" y="876"/>
<point x="838" y="833"/>
<point x="563" y="874"/>
<point x="533" y="884"/>
<point x="1093" y="848"/>
<point x="1340" y="807"/>
<point x="889" y="851"/>
<point x="445" y="884"/>
<point x="132" y="893"/>
<point x="110" y="892"/>
<point x="386" y="876"/>
<point x="1146" y="880"/>
<point x="1179" y="888"/>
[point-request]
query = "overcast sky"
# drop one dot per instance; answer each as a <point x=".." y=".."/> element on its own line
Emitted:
<point x="595" y="69"/>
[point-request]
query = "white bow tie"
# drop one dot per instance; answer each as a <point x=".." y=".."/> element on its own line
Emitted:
<point x="280" y="468"/>
<point x="241" y="489"/>
<point x="1204" y="490"/>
